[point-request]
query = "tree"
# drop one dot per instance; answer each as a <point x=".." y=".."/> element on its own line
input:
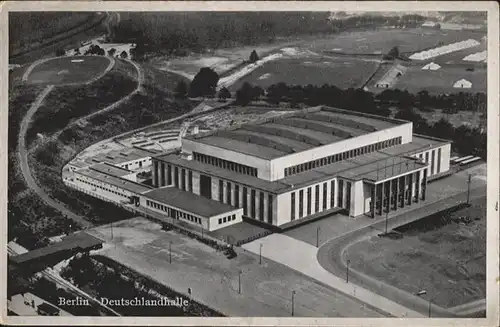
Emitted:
<point x="60" y="52"/>
<point x="111" y="52"/>
<point x="181" y="90"/>
<point x="253" y="56"/>
<point x="393" y="53"/>
<point x="224" y="94"/>
<point x="204" y="83"/>
<point x="123" y="54"/>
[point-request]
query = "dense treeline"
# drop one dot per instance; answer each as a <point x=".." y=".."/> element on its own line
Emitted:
<point x="29" y="29"/>
<point x="179" y="32"/>
<point x="466" y="140"/>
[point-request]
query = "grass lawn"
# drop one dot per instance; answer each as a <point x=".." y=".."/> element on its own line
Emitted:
<point x="65" y="70"/>
<point x="69" y="102"/>
<point x="442" y="80"/>
<point x="341" y="72"/>
<point x="382" y="40"/>
<point x="444" y="257"/>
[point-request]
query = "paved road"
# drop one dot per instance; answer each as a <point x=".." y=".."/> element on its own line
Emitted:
<point x="331" y="255"/>
<point x="266" y="288"/>
<point x="25" y="169"/>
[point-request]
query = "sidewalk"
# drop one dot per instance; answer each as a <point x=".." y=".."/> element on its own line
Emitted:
<point x="302" y="257"/>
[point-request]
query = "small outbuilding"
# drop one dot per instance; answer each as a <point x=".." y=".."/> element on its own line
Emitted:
<point x="462" y="84"/>
<point x="431" y="66"/>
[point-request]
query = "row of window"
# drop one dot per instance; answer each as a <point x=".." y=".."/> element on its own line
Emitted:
<point x="139" y="162"/>
<point x="433" y="160"/>
<point x="102" y="187"/>
<point x="179" y="183"/>
<point x="173" y="213"/>
<point x="225" y="164"/>
<point x="341" y="156"/>
<point x="324" y="203"/>
<point x="248" y="210"/>
<point x="227" y="219"/>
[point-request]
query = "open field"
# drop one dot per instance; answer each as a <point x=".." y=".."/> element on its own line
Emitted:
<point x="338" y="71"/>
<point x="382" y="40"/>
<point x="66" y="70"/>
<point x="441" y="81"/>
<point x="454" y="275"/>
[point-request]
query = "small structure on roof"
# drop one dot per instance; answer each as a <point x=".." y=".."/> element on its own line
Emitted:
<point x="431" y="66"/>
<point x="463" y="84"/>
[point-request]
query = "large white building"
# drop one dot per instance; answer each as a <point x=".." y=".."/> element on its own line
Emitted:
<point x="298" y="167"/>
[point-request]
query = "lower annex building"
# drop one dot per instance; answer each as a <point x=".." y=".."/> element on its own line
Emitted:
<point x="282" y="170"/>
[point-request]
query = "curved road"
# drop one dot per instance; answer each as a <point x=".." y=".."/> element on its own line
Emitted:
<point x="23" y="151"/>
<point x="332" y="256"/>
<point x="22" y="154"/>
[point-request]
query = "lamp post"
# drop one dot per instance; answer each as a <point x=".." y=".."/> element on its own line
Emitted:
<point x="260" y="254"/>
<point x="170" y="252"/>
<point x="293" y="304"/>
<point x="347" y="271"/>
<point x="239" y="282"/>
<point x="422" y="292"/>
<point x="317" y="237"/>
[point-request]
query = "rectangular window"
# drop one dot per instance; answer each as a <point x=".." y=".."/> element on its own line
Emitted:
<point x="301" y="203"/>
<point x="309" y="199"/>
<point x="325" y="188"/>
<point x="228" y="193"/>
<point x="183" y="179"/>
<point x="316" y="199"/>
<point x="190" y="180"/>
<point x="340" y="192"/>
<point x="261" y="206"/>
<point x="270" y="208"/>
<point x="245" y="201"/>
<point x="439" y="161"/>
<point x="236" y="195"/>
<point x="162" y="173"/>
<point x="169" y="174"/>
<point x="176" y="177"/>
<point x="252" y="203"/>
<point x="432" y="161"/>
<point x="292" y="206"/>
<point x="221" y="191"/>
<point x="427" y="157"/>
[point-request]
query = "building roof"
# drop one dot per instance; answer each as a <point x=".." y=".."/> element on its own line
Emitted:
<point x="280" y="136"/>
<point x="79" y="240"/>
<point x="111" y="170"/>
<point x="117" y="157"/>
<point x="115" y="181"/>
<point x="373" y="166"/>
<point x="188" y="201"/>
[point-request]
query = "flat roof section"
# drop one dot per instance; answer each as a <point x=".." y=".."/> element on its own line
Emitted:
<point x="79" y="240"/>
<point x="111" y="170"/>
<point x="296" y="146"/>
<point x="188" y="201"/>
<point x="321" y="137"/>
<point x="378" y="124"/>
<point x="207" y="169"/>
<point x="418" y="144"/>
<point x="242" y="147"/>
<point x="115" y="181"/>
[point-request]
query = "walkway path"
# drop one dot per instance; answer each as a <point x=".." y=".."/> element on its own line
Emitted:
<point x="302" y="257"/>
